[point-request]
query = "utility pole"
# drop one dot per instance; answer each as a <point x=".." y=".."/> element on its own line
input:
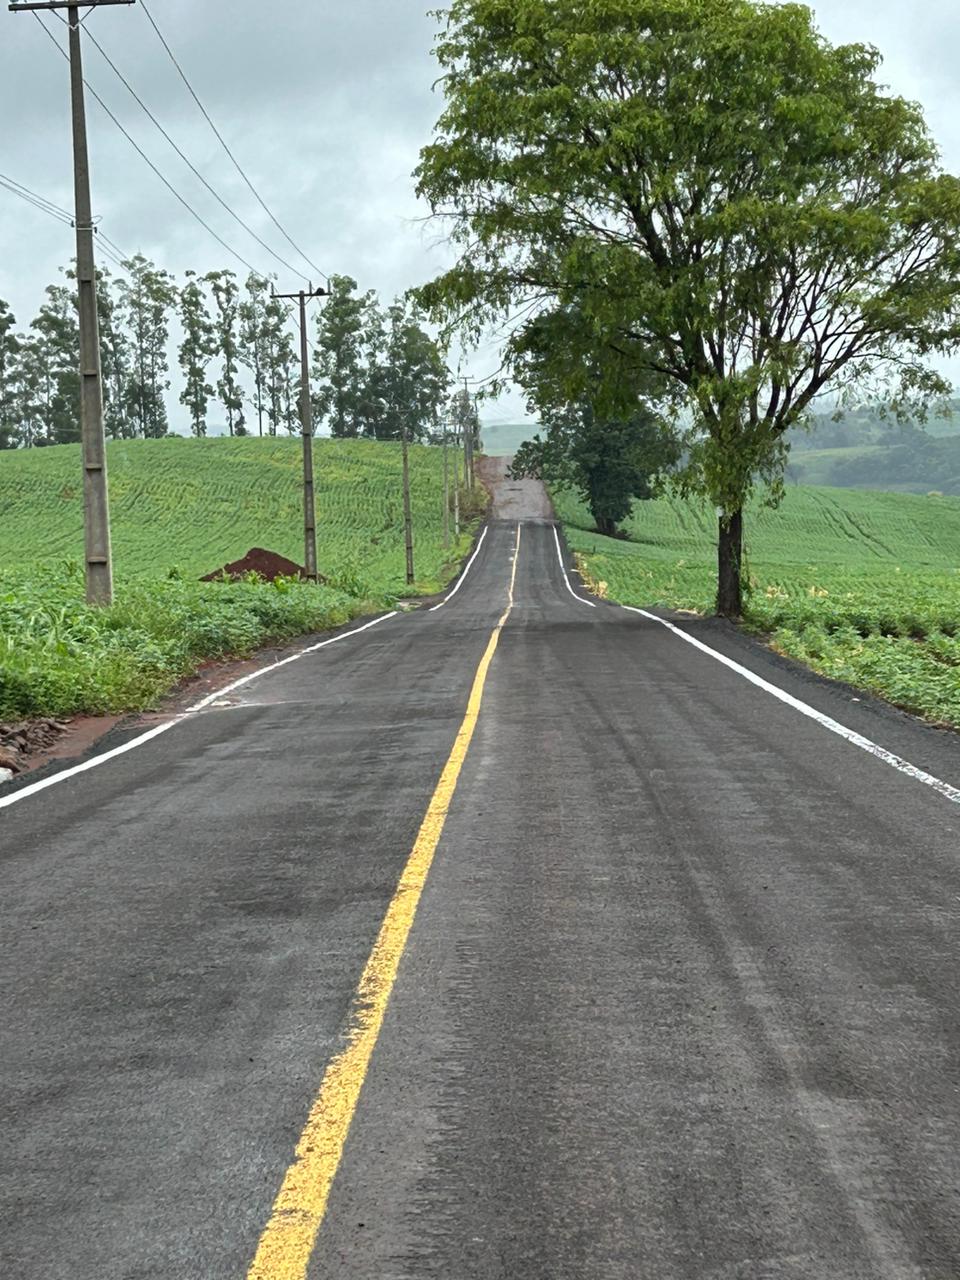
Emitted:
<point x="306" y="432"/>
<point x="446" y="492"/>
<point x="96" y="505"/>
<point x="407" y="512"/>
<point x="467" y="438"/>
<point x="456" y="483"/>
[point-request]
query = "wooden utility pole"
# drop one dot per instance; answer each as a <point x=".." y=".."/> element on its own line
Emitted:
<point x="306" y="432"/>
<point x="96" y="505"/>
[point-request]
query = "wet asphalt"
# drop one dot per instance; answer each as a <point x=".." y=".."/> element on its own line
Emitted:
<point x="680" y="1002"/>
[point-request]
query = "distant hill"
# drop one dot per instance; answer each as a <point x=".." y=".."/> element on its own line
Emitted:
<point x="502" y="438"/>
<point x="864" y="451"/>
<point x="860" y="451"/>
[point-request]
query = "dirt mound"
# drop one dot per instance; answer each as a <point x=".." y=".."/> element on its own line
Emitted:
<point x="266" y="564"/>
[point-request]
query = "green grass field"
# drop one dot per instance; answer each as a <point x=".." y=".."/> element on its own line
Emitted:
<point x="181" y="508"/>
<point x="198" y="504"/>
<point x="863" y="586"/>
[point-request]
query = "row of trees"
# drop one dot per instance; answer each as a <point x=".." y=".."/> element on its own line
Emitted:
<point x="373" y="369"/>
<point x="701" y="205"/>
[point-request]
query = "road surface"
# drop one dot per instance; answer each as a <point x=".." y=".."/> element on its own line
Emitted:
<point x="679" y="1000"/>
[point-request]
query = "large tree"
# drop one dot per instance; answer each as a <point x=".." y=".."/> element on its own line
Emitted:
<point x="734" y="204"/>
<point x="407" y="385"/>
<point x="338" y="360"/>
<point x="34" y="392"/>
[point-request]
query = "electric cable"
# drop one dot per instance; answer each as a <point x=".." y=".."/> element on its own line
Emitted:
<point x="186" y="160"/>
<point x="108" y="249"/>
<point x="146" y="159"/>
<point x="223" y="143"/>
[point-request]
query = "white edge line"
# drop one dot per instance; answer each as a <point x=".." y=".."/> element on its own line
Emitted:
<point x="857" y="739"/>
<point x="155" y="732"/>
<point x="460" y="580"/>
<point x="563" y="570"/>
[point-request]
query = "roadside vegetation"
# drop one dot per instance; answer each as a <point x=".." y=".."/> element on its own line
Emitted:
<point x="58" y="656"/>
<point x="182" y="508"/>
<point x="863" y="587"/>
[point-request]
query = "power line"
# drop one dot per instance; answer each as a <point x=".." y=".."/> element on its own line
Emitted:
<point x="37" y="201"/>
<point x="146" y="159"/>
<point x="222" y="141"/>
<point x="110" y="250"/>
<point x="192" y="167"/>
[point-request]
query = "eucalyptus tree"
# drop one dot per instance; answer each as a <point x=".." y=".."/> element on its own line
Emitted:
<point x="226" y="296"/>
<point x="267" y="350"/>
<point x="34" y="392"/>
<point x="147" y="298"/>
<point x="254" y="348"/>
<point x="195" y="352"/>
<point x="408" y="381"/>
<point x="9" y="349"/>
<point x="281" y="369"/>
<point x="339" y="356"/>
<point x="57" y="345"/>
<point x="114" y="358"/>
<point x="734" y="204"/>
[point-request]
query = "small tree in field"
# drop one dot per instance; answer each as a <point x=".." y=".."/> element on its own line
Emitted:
<point x="601" y="437"/>
<point x="610" y="462"/>
<point x="733" y="205"/>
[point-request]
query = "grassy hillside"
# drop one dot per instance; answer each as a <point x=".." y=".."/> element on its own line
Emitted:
<point x="197" y="504"/>
<point x="864" y="451"/>
<point x="502" y="438"/>
<point x="181" y="508"/>
<point x="863" y="586"/>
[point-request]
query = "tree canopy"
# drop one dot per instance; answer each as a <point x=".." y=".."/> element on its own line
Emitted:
<point x="733" y="204"/>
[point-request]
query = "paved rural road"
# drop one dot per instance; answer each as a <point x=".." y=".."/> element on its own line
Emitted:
<point x="680" y="999"/>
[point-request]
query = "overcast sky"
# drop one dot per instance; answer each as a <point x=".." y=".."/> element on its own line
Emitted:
<point x="326" y="104"/>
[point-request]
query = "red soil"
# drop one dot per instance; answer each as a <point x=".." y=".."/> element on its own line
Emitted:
<point x="267" y="564"/>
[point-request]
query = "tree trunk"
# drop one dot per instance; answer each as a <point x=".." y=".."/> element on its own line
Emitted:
<point x="729" y="558"/>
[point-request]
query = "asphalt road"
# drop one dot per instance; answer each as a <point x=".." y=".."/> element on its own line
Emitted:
<point x="680" y="1000"/>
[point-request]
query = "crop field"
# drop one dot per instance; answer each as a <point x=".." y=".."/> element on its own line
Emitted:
<point x="864" y="587"/>
<point x="181" y="508"/>
<point x="194" y="505"/>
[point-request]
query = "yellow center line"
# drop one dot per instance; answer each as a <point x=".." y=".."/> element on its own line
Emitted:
<point x="288" y="1239"/>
